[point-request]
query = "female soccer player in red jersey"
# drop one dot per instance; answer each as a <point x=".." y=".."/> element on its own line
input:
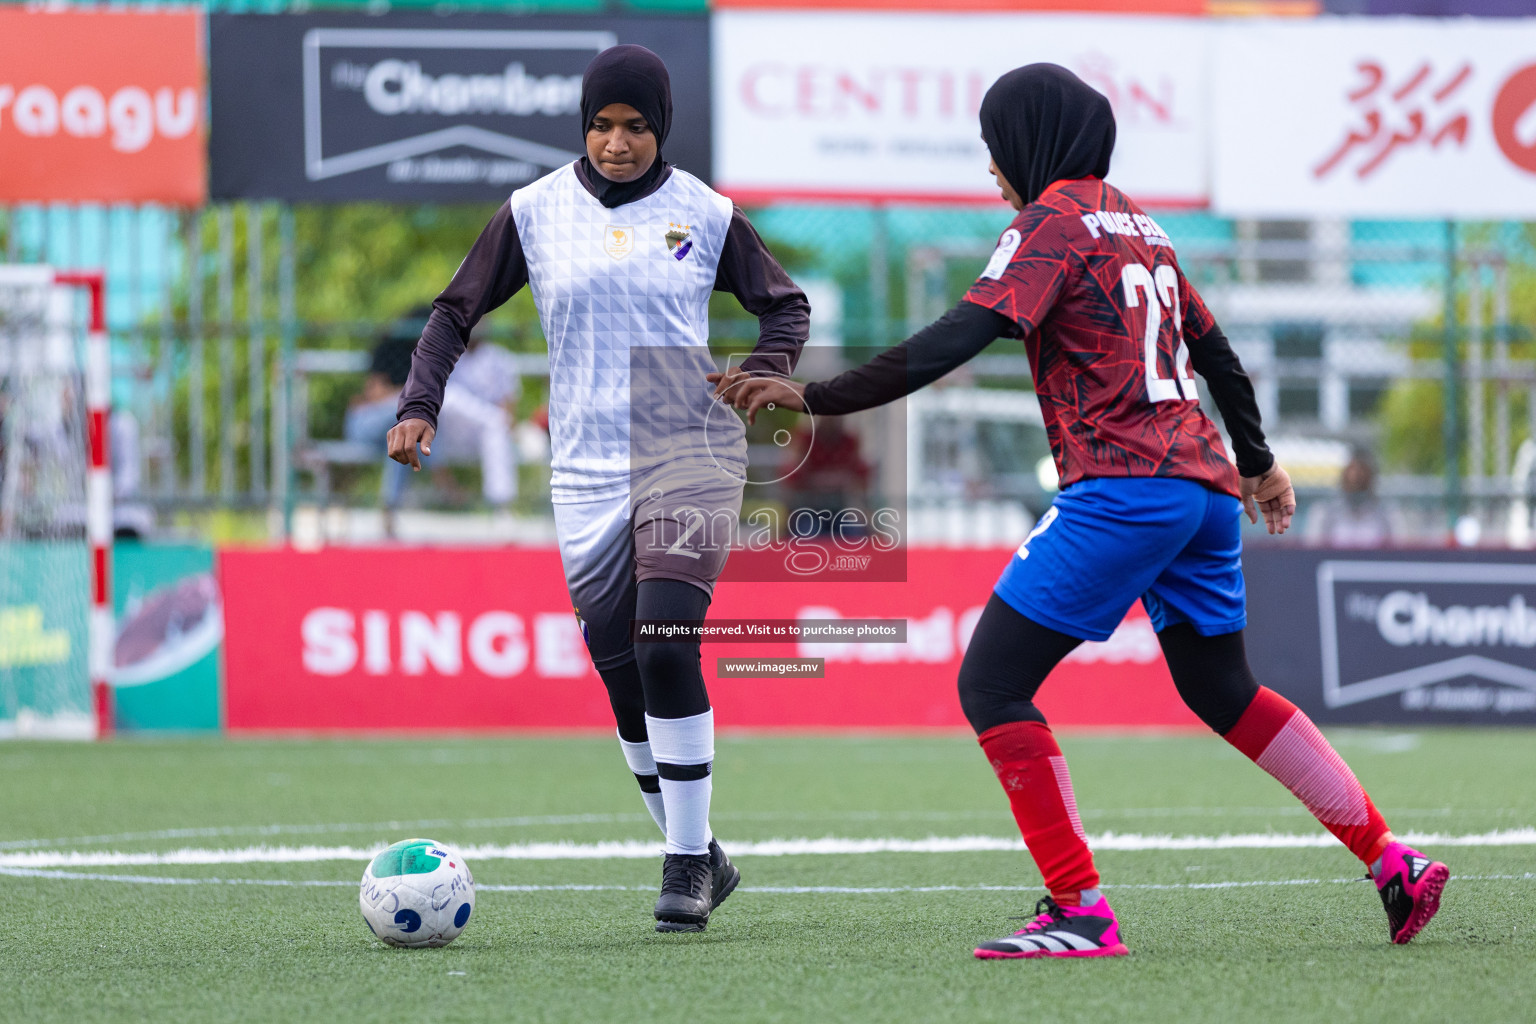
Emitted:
<point x="1149" y="507"/>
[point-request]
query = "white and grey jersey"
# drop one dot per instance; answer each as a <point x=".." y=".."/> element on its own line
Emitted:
<point x="623" y="299"/>
<point x="607" y="282"/>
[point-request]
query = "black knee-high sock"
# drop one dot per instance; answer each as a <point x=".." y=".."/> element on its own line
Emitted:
<point x="678" y="718"/>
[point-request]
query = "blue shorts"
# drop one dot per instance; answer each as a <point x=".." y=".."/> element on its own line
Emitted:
<point x="1104" y="543"/>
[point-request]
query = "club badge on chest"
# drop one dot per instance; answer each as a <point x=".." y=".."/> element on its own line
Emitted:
<point x="618" y="242"/>
<point x="679" y="240"/>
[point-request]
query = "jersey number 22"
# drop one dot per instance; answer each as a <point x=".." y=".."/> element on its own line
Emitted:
<point x="1162" y="291"/>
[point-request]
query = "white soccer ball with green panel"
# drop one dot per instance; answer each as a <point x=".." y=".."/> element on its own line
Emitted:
<point x="417" y="893"/>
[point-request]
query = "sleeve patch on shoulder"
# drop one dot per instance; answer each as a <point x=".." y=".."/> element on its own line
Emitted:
<point x="1006" y="247"/>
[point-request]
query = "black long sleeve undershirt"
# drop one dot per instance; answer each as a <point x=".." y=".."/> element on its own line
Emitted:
<point x="496" y="269"/>
<point x="493" y="272"/>
<point x="749" y="271"/>
<point x="1212" y="357"/>
<point x="963" y="332"/>
<point x="953" y="339"/>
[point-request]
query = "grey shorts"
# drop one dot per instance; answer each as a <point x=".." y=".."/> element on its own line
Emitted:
<point x="677" y="525"/>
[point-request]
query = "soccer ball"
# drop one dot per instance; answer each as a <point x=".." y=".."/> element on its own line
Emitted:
<point x="417" y="893"/>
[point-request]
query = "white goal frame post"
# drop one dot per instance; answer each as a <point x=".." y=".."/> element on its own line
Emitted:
<point x="97" y="379"/>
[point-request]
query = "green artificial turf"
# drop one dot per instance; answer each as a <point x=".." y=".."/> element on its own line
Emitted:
<point x="91" y="949"/>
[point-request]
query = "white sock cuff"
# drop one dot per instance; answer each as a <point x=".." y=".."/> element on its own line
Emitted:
<point x="688" y="740"/>
<point x="638" y="756"/>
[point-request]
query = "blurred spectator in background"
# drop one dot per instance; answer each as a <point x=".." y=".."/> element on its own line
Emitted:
<point x="489" y="372"/>
<point x="476" y="417"/>
<point x="479" y="409"/>
<point x="1355" y="517"/>
<point x="824" y="469"/>
<point x="372" y="413"/>
<point x="467" y="423"/>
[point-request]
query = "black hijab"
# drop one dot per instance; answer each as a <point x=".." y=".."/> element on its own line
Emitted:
<point x="1042" y="123"/>
<point x="634" y="75"/>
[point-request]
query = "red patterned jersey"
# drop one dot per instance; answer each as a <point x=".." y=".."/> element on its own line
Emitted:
<point x="1104" y="310"/>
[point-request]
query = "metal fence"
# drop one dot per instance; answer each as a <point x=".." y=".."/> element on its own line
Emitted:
<point x="1354" y="334"/>
<point x="200" y="307"/>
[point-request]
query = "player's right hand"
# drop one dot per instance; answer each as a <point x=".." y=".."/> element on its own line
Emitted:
<point x="749" y="394"/>
<point x="1271" y="491"/>
<point x="405" y="436"/>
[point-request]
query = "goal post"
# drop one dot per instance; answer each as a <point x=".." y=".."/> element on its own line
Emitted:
<point x="56" y="624"/>
<point x="98" y="490"/>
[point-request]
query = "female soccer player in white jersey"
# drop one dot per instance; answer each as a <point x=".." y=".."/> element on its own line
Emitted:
<point x="621" y="251"/>
<point x="1148" y="510"/>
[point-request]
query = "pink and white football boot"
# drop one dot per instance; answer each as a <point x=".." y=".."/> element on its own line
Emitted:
<point x="1409" y="884"/>
<point x="1061" y="931"/>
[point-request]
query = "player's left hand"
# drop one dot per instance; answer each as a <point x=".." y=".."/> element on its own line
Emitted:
<point x="1271" y="491"/>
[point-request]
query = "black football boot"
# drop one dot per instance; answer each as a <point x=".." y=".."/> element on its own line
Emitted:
<point x="724" y="875"/>
<point x="687" y="892"/>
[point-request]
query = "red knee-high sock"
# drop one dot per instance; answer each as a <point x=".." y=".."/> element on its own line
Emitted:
<point x="1284" y="742"/>
<point x="1034" y="774"/>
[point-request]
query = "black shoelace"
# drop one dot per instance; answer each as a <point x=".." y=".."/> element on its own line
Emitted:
<point x="1045" y="906"/>
<point x="683" y="873"/>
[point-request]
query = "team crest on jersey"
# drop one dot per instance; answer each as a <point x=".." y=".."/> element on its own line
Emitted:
<point x="618" y="242"/>
<point x="679" y="240"/>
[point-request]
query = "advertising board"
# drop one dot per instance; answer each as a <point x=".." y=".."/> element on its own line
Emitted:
<point x="420" y="107"/>
<point x="1376" y="117"/>
<point x="1430" y="637"/>
<point x="479" y="639"/>
<point x="102" y="106"/>
<point x="392" y="638"/>
<point x="170" y="632"/>
<point x="44" y="603"/>
<point x="883" y="106"/>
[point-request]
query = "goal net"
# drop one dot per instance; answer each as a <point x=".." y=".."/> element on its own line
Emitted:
<point x="46" y="554"/>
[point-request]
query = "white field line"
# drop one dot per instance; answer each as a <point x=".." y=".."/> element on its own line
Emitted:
<point x="778" y="890"/>
<point x="331" y="828"/>
<point x="636" y="849"/>
<point x="430" y="825"/>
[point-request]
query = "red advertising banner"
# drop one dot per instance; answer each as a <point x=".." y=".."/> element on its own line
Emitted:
<point x="101" y="106"/>
<point x="441" y="639"/>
